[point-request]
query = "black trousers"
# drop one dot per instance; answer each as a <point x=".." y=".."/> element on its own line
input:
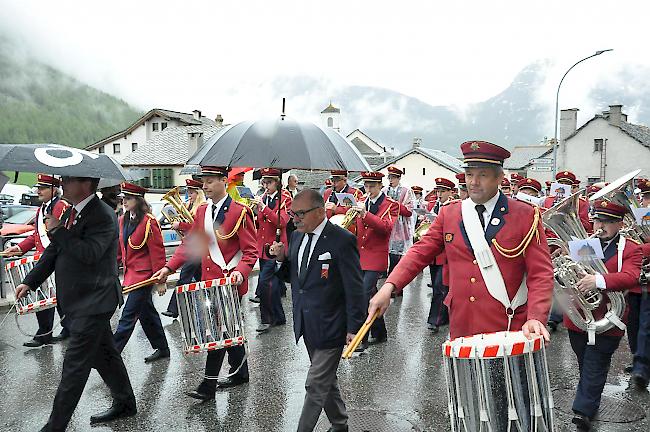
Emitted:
<point x="213" y="366"/>
<point x="190" y="272"/>
<point x="46" y="324"/>
<point x="438" y="313"/>
<point x="91" y="346"/>
<point x="378" y="328"/>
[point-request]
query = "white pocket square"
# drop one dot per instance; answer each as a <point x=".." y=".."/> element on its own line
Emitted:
<point x="324" y="257"/>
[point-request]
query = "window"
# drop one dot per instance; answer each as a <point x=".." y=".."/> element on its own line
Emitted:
<point x="163" y="126"/>
<point x="598" y="144"/>
<point x="116" y="148"/>
<point x="162" y="178"/>
<point x="330" y="122"/>
<point x="403" y="171"/>
<point x="424" y="171"/>
<point x="134" y="146"/>
<point x="102" y="150"/>
<point x="145" y="181"/>
<point x="154" y="127"/>
<point x="592" y="180"/>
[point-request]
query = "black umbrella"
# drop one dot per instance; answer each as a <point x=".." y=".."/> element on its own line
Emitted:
<point x="60" y="160"/>
<point x="280" y="143"/>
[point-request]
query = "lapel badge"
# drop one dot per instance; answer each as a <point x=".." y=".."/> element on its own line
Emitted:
<point x="449" y="237"/>
<point x="325" y="271"/>
<point x="495" y="221"/>
<point x="502" y="209"/>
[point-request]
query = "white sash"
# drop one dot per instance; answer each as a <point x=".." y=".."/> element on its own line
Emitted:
<point x="213" y="244"/>
<point x="487" y="263"/>
<point x="42" y="231"/>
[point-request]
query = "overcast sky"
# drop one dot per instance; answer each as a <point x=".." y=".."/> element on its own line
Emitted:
<point x="219" y="56"/>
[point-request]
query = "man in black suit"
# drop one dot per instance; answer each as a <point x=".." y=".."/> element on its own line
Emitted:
<point x="83" y="252"/>
<point x="327" y="291"/>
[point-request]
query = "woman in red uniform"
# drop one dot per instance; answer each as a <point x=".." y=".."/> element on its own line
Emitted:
<point x="141" y="252"/>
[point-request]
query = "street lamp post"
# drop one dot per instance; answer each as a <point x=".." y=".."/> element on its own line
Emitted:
<point x="557" y="106"/>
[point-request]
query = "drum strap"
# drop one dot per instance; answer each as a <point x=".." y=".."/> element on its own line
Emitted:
<point x="487" y="263"/>
<point x="213" y="244"/>
<point x="42" y="230"/>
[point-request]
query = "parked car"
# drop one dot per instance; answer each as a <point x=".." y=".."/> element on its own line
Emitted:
<point x="11" y="209"/>
<point x="30" y="199"/>
<point x="6" y="199"/>
<point x="19" y="223"/>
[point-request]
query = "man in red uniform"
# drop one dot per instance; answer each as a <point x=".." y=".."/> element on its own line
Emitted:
<point x="141" y="252"/>
<point x="438" y="313"/>
<point x="510" y="240"/>
<point x="568" y="178"/>
<point x="514" y="180"/>
<point x="505" y="187"/>
<point x="623" y="262"/>
<point x="462" y="186"/>
<point x="228" y="229"/>
<point x="47" y="189"/>
<point x="269" y="220"/>
<point x="340" y="184"/>
<point x="375" y="222"/>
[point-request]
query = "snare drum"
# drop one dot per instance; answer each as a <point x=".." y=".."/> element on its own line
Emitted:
<point x="498" y="382"/>
<point x="210" y="315"/>
<point x="44" y="297"/>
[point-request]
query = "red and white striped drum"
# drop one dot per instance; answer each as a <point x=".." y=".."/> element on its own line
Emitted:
<point x="498" y="382"/>
<point x="210" y="315"/>
<point x="44" y="297"/>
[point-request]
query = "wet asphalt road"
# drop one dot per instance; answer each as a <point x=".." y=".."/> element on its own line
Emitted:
<point x="403" y="378"/>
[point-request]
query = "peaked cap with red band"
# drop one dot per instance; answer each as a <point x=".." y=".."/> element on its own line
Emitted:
<point x="270" y="172"/>
<point x="483" y="153"/>
<point x="565" y="177"/>
<point x="210" y="170"/>
<point x="529" y="183"/>
<point x="607" y="211"/>
<point x="393" y="170"/>
<point x="443" y="183"/>
<point x="193" y="184"/>
<point x="133" y="189"/>
<point x="461" y="180"/>
<point x="375" y="176"/>
<point x="45" y="180"/>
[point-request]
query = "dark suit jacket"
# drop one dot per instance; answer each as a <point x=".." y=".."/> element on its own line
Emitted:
<point x="85" y="260"/>
<point x="329" y="303"/>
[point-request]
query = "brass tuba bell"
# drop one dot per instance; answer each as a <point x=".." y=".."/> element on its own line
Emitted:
<point x="178" y="213"/>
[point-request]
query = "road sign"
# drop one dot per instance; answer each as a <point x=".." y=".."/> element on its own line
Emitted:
<point x="541" y="168"/>
<point x="542" y="161"/>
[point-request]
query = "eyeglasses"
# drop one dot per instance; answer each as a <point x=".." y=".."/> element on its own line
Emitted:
<point x="300" y="213"/>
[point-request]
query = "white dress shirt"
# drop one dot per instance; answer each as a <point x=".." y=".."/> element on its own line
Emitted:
<point x="218" y="204"/>
<point x="317" y="232"/>
<point x="78" y="208"/>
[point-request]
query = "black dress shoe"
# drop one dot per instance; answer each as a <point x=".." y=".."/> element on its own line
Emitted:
<point x="263" y="328"/>
<point x="196" y="394"/>
<point x="345" y="429"/>
<point x="639" y="381"/>
<point x="377" y="340"/>
<point x="117" y="410"/>
<point x="254" y="299"/>
<point x="552" y="325"/>
<point x="582" y="422"/>
<point x="169" y="314"/>
<point x="37" y="342"/>
<point x="230" y="382"/>
<point x="278" y="323"/>
<point x="628" y="369"/>
<point x="157" y="355"/>
<point x="362" y="347"/>
<point x="61" y="336"/>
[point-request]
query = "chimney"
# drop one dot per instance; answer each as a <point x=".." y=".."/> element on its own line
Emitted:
<point x="195" y="142"/>
<point x="196" y="114"/>
<point x="219" y="120"/>
<point x="417" y="142"/>
<point x="615" y="115"/>
<point x="568" y="122"/>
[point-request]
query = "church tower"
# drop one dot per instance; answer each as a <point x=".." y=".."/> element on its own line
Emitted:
<point x="331" y="117"/>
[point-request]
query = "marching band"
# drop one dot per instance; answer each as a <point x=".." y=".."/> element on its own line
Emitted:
<point x="500" y="250"/>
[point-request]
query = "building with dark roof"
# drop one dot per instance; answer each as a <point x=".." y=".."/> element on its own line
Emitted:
<point x="605" y="147"/>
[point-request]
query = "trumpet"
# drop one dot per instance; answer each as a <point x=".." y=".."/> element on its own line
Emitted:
<point x="345" y="220"/>
<point x="180" y="213"/>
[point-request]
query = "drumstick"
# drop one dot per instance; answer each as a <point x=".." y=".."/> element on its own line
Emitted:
<point x="139" y="285"/>
<point x="4" y="254"/>
<point x="359" y="337"/>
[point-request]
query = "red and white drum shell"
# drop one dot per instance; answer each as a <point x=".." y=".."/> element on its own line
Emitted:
<point x="42" y="298"/>
<point x="498" y="382"/>
<point x="210" y="315"/>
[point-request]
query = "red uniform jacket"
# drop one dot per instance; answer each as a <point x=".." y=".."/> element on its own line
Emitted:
<point x="373" y="233"/>
<point x="34" y="239"/>
<point x="236" y="220"/>
<point x="472" y="309"/>
<point x="583" y="211"/>
<point x="626" y="279"/>
<point x="330" y="196"/>
<point x="142" y="251"/>
<point x="267" y="222"/>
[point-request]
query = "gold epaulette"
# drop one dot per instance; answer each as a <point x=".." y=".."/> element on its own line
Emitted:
<point x="241" y="221"/>
<point x="147" y="230"/>
<point x="519" y="249"/>
<point x="450" y="202"/>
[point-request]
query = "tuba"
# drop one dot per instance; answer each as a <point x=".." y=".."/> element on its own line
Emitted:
<point x="564" y="221"/>
<point x="178" y="211"/>
<point x="346" y="220"/>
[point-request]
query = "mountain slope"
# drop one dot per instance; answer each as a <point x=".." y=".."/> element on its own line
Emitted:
<point x="41" y="104"/>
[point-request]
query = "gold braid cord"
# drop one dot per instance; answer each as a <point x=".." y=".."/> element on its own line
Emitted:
<point x="519" y="249"/>
<point x="147" y="230"/>
<point x="242" y="217"/>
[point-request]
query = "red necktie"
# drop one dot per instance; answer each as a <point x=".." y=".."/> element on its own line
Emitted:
<point x="71" y="218"/>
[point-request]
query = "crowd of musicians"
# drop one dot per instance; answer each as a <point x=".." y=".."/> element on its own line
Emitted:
<point x="333" y="252"/>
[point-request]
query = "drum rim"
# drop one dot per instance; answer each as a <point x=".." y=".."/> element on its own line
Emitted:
<point x="210" y="283"/>
<point x="474" y="346"/>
